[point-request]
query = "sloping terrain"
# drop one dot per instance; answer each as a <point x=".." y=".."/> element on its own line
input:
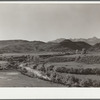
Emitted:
<point x="22" y="46"/>
<point x="58" y="40"/>
<point x="5" y="43"/>
<point x="95" y="48"/>
<point x="16" y="79"/>
<point x="91" y="41"/>
<point x="75" y="45"/>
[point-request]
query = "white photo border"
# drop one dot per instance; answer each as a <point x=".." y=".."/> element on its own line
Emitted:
<point x="49" y="92"/>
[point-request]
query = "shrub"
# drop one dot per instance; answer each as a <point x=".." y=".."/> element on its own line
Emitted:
<point x="85" y="71"/>
<point x="96" y="71"/>
<point x="96" y="83"/>
<point x="61" y="59"/>
<point x="50" y="68"/>
<point x="89" y="59"/>
<point x="69" y="80"/>
<point x="35" y="66"/>
<point x="24" y="70"/>
<point x="62" y="69"/>
<point x="86" y="83"/>
<point x="42" y="68"/>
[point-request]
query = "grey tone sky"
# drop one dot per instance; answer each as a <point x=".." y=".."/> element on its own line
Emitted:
<point x="47" y="22"/>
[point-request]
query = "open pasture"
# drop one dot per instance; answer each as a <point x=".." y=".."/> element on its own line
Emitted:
<point x="66" y="69"/>
<point x="16" y="79"/>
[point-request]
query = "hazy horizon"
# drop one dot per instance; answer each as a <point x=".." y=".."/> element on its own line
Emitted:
<point x="46" y="41"/>
<point x="46" y="22"/>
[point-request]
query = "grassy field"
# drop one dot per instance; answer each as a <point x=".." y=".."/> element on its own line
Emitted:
<point x="16" y="79"/>
<point x="32" y="54"/>
<point x="76" y="65"/>
<point x="84" y="70"/>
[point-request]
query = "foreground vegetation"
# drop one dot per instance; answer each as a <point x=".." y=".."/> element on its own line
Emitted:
<point x="36" y="66"/>
<point x="68" y="80"/>
<point x="85" y="71"/>
<point x="89" y="59"/>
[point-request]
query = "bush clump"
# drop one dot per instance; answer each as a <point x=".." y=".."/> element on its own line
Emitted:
<point x="86" y="71"/>
<point x="68" y="80"/>
<point x="72" y="81"/>
<point x="61" y="59"/>
<point x="89" y="59"/>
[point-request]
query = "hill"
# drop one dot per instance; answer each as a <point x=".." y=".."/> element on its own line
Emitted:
<point x="23" y="46"/>
<point x="75" y="45"/>
<point x="5" y="43"/>
<point x="95" y="48"/>
<point x="91" y="41"/>
<point x="57" y="40"/>
<point x="20" y="46"/>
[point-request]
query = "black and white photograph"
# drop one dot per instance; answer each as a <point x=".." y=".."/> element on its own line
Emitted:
<point x="49" y="45"/>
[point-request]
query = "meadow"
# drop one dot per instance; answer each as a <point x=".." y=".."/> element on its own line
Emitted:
<point x="54" y="69"/>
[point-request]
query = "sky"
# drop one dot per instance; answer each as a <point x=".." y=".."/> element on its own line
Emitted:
<point x="46" y="22"/>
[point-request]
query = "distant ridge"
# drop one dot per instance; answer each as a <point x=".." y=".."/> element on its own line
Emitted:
<point x="58" y="40"/>
<point x="91" y="41"/>
<point x="95" y="48"/>
<point x="58" y="45"/>
<point x="23" y="46"/>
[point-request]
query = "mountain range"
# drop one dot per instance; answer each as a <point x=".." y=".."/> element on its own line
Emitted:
<point x="91" y="41"/>
<point x="62" y="44"/>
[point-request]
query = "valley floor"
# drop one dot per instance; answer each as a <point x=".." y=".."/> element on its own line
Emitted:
<point x="13" y="78"/>
<point x="16" y="79"/>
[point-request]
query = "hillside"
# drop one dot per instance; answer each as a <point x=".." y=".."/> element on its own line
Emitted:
<point x="57" y="40"/>
<point x="5" y="43"/>
<point x="95" y="48"/>
<point x="74" y="45"/>
<point x="22" y="46"/>
<point x="91" y="41"/>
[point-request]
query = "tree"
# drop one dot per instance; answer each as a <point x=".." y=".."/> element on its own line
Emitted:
<point x="83" y="51"/>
